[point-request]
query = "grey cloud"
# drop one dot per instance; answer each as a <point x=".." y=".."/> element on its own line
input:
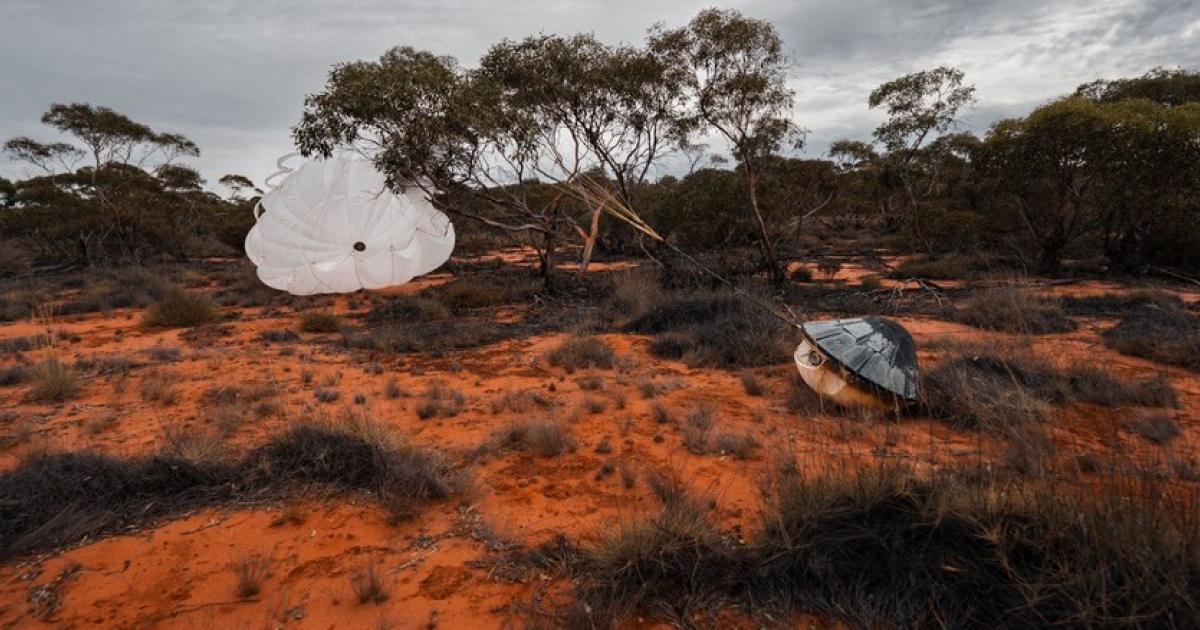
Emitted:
<point x="232" y="75"/>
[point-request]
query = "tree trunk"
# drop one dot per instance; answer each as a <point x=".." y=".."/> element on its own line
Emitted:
<point x="1049" y="261"/>
<point x="547" y="259"/>
<point x="764" y="237"/>
<point x="589" y="241"/>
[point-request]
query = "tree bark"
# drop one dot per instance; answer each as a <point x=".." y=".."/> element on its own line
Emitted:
<point x="764" y="237"/>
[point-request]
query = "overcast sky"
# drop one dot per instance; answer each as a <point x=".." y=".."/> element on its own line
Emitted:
<point x="233" y="77"/>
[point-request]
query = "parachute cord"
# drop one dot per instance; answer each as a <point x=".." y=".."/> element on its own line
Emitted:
<point x="791" y="321"/>
<point x="593" y="193"/>
<point x="283" y="171"/>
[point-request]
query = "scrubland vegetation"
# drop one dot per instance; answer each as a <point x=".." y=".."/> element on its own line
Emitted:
<point x="610" y="425"/>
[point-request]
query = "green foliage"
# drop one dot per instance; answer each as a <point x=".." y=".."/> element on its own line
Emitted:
<point x="1163" y="86"/>
<point x="736" y="75"/>
<point x="490" y="134"/>
<point x="918" y="106"/>
<point x="1112" y="171"/>
<point x="129" y="200"/>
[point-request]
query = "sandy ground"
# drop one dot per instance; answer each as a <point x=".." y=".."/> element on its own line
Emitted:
<point x="178" y="574"/>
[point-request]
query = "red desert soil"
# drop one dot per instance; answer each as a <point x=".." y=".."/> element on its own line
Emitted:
<point x="178" y="573"/>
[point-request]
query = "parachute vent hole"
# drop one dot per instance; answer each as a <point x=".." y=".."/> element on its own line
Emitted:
<point x="360" y="246"/>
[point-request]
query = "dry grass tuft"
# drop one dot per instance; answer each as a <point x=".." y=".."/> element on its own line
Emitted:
<point x="177" y="308"/>
<point x="250" y="570"/>
<point x="159" y="386"/>
<point x="54" y="381"/>
<point x="439" y="399"/>
<point x="368" y="585"/>
<point x="1159" y="334"/>
<point x="545" y="437"/>
<point x="577" y="353"/>
<point x="321" y="322"/>
<point x="715" y="330"/>
<point x="1008" y="309"/>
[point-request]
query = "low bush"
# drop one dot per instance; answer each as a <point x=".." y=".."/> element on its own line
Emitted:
<point x="1097" y="385"/>
<point x="582" y="352"/>
<point x="676" y="565"/>
<point x="321" y="322"/>
<point x="14" y="375"/>
<point x="1156" y="426"/>
<point x="888" y="548"/>
<point x="953" y="266"/>
<point x="431" y="336"/>
<point x="999" y="387"/>
<point x="715" y="330"/>
<point x="177" y="308"/>
<point x="471" y="293"/>
<point x="53" y="380"/>
<point x="885" y="548"/>
<point x="1159" y="334"/>
<point x="738" y="445"/>
<point x="1011" y="310"/>
<point x="409" y="308"/>
<point x="1115" y="304"/>
<point x="54" y="499"/>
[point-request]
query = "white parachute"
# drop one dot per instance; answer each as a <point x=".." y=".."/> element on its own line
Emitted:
<point x="333" y="226"/>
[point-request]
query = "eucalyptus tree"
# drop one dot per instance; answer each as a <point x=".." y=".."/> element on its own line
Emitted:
<point x="426" y="122"/>
<point x="543" y="124"/>
<point x="240" y="187"/>
<point x="1163" y="86"/>
<point x="8" y="192"/>
<point x="920" y="107"/>
<point x="736" y="73"/>
<point x="1079" y="169"/>
<point x="108" y="166"/>
<point x="601" y="115"/>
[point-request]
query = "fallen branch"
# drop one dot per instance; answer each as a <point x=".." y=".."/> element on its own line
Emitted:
<point x="1172" y="274"/>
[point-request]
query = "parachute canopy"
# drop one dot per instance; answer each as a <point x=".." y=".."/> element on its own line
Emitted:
<point x="333" y="226"/>
<point x="845" y="358"/>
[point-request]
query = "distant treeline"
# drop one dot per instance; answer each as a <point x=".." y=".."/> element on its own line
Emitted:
<point x="550" y="137"/>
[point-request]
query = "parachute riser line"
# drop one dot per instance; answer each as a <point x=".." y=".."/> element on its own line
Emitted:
<point x="738" y="291"/>
<point x="269" y="182"/>
<point x="605" y="201"/>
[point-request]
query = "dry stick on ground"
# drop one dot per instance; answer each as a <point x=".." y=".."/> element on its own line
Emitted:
<point x="1172" y="274"/>
<point x="933" y="288"/>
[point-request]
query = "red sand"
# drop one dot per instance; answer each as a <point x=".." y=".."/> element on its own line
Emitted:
<point x="178" y="573"/>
